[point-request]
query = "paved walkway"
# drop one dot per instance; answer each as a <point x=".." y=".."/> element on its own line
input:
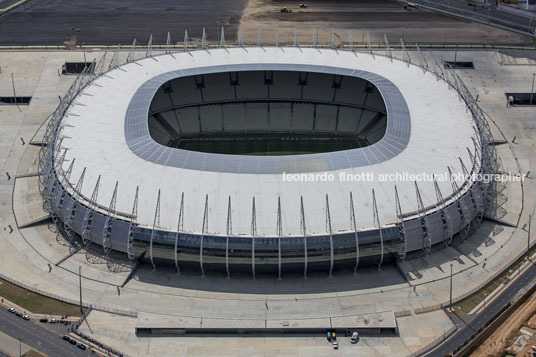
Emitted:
<point x="25" y="255"/>
<point x="11" y="346"/>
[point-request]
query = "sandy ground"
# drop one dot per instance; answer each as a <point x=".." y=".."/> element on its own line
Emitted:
<point x="59" y="22"/>
<point x="508" y="331"/>
<point x="377" y="17"/>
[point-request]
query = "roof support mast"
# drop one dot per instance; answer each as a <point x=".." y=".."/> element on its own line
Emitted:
<point x="328" y="226"/>
<point x="353" y="225"/>
<point x="156" y="223"/>
<point x="401" y="225"/>
<point x="462" y="209"/>
<point x="376" y="219"/>
<point x="180" y="226"/>
<point x="445" y="217"/>
<point x="133" y="218"/>
<point x="425" y="226"/>
<point x="71" y="210"/>
<point x="109" y="223"/>
<point x="304" y="232"/>
<point x="203" y="230"/>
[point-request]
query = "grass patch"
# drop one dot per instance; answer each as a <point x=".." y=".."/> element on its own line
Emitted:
<point x="267" y="144"/>
<point x="36" y="303"/>
<point x="464" y="306"/>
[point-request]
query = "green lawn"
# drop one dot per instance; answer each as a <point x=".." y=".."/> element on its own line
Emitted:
<point x="267" y="144"/>
<point x="36" y="303"/>
<point x="464" y="306"/>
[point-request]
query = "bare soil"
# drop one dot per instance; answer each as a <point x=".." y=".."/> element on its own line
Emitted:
<point x="506" y="334"/>
<point x="378" y="17"/>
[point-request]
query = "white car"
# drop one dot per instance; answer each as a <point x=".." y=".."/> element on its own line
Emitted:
<point x="12" y="310"/>
<point x="335" y="345"/>
<point x="355" y="337"/>
<point x="52" y="321"/>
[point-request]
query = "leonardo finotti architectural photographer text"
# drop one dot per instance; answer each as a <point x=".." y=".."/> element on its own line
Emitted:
<point x="369" y="176"/>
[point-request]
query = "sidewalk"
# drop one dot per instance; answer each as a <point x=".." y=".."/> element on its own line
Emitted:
<point x="13" y="347"/>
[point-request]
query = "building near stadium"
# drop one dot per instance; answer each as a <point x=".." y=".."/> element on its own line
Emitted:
<point x="266" y="159"/>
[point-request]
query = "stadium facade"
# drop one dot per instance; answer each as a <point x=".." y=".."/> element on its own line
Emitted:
<point x="133" y="159"/>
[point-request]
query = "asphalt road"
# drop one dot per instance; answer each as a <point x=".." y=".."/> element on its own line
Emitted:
<point x="37" y="337"/>
<point x="491" y="309"/>
<point x="117" y="21"/>
<point x="4" y="4"/>
<point x="487" y="14"/>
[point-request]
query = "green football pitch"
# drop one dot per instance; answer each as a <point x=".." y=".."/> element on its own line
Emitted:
<point x="267" y="144"/>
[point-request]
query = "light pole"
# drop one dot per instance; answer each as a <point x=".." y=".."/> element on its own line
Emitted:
<point x="532" y="89"/>
<point x="528" y="235"/>
<point x="84" y="48"/>
<point x="20" y="347"/>
<point x="80" y="284"/>
<point x="450" y="299"/>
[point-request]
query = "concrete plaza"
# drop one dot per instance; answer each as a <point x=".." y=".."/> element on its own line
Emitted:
<point x="413" y="290"/>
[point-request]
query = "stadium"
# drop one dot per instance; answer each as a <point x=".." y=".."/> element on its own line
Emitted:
<point x="199" y="159"/>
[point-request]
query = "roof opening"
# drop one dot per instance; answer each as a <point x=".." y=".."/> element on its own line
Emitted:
<point x="521" y="99"/>
<point x="15" y="100"/>
<point x="460" y="64"/>
<point x="75" y="67"/>
<point x="267" y="113"/>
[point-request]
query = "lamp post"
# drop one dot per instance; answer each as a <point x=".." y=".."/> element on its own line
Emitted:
<point x="532" y="89"/>
<point x="450" y="299"/>
<point x="80" y="285"/>
<point x="528" y="235"/>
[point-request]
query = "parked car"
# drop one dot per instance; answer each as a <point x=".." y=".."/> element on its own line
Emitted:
<point x="81" y="346"/>
<point x="72" y="341"/>
<point x="43" y="319"/>
<point x="66" y="338"/>
<point x="303" y="6"/>
<point x="329" y="336"/>
<point x="26" y="317"/>
<point x="52" y="321"/>
<point x="355" y="337"/>
<point x="12" y="310"/>
<point x="335" y="345"/>
<point x="19" y="314"/>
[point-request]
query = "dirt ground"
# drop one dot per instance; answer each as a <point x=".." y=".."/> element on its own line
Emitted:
<point x="505" y="335"/>
<point x="378" y="17"/>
